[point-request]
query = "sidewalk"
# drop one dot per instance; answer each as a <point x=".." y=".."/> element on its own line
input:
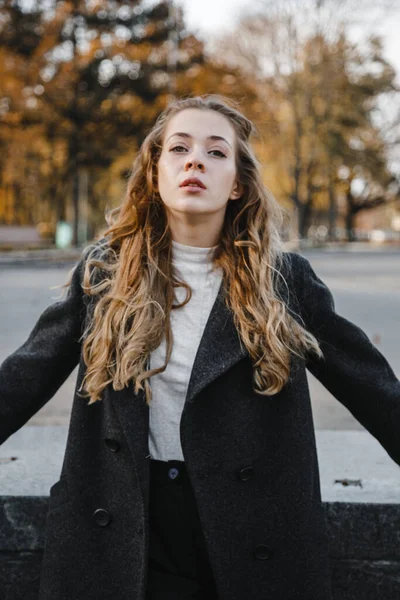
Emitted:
<point x="54" y="256"/>
<point x="305" y="246"/>
<point x="48" y="256"/>
<point x="354" y="247"/>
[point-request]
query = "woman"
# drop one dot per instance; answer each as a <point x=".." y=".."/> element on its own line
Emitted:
<point x="205" y="484"/>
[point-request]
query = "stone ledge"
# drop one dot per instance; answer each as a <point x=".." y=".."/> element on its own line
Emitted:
<point x="353" y="465"/>
<point x="364" y="548"/>
<point x="362" y="519"/>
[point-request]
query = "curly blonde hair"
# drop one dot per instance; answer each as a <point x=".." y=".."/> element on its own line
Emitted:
<point x="130" y="275"/>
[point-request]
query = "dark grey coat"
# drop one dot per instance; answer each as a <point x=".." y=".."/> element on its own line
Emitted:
<point x="251" y="459"/>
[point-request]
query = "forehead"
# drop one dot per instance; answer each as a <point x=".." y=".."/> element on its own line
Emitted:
<point x="200" y="123"/>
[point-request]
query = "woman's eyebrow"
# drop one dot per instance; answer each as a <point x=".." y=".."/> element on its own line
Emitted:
<point x="210" y="137"/>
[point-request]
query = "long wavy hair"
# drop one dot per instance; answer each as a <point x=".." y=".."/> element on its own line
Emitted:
<point x="130" y="278"/>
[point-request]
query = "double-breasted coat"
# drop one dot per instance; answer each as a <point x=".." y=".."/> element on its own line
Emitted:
<point x="251" y="459"/>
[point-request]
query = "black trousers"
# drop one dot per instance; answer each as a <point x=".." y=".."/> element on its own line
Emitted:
<point x="179" y="567"/>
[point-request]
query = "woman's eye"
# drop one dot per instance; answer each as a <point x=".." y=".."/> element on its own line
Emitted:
<point x="221" y="153"/>
<point x="183" y="148"/>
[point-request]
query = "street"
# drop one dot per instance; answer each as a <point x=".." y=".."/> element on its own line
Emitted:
<point x="365" y="286"/>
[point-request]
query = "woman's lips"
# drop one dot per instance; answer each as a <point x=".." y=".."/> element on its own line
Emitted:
<point x="192" y="188"/>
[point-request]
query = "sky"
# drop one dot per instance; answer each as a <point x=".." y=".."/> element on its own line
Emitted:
<point x="209" y="17"/>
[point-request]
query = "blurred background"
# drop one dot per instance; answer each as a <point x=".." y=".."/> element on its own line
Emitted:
<point x="82" y="82"/>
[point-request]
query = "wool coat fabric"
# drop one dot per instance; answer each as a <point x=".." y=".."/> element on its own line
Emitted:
<point x="251" y="459"/>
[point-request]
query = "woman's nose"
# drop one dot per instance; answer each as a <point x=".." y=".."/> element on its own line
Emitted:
<point x="192" y="162"/>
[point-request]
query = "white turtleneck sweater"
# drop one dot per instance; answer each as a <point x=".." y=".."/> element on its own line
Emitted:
<point x="169" y="388"/>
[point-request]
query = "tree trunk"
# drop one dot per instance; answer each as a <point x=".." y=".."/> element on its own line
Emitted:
<point x="73" y="152"/>
<point x="332" y="209"/>
<point x="350" y="215"/>
<point x="75" y="205"/>
<point x="59" y="200"/>
<point x="304" y="219"/>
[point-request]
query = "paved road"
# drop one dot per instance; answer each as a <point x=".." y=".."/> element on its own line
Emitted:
<point x="366" y="288"/>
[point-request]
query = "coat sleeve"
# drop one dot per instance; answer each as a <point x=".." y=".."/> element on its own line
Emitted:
<point x="352" y="369"/>
<point x="31" y="375"/>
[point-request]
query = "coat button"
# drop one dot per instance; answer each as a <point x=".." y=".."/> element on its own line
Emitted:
<point x="173" y="473"/>
<point x="246" y="473"/>
<point x="263" y="552"/>
<point x="113" y="445"/>
<point x="102" y="517"/>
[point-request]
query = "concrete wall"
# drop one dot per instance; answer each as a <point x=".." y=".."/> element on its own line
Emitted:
<point x="360" y="487"/>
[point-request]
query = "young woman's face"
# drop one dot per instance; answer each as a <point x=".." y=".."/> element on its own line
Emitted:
<point x="201" y="144"/>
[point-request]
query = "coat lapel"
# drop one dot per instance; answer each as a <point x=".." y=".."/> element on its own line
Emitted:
<point x="218" y="351"/>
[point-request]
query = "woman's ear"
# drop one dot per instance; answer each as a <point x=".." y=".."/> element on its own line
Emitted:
<point x="237" y="191"/>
